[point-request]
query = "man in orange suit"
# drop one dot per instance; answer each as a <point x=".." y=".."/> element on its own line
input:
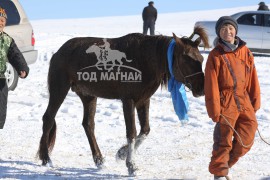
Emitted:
<point x="232" y="95"/>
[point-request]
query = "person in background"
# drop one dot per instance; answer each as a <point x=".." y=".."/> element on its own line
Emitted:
<point x="263" y="7"/>
<point x="149" y="16"/>
<point x="232" y="97"/>
<point x="9" y="52"/>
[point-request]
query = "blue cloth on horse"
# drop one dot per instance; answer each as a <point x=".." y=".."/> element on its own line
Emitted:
<point x="176" y="88"/>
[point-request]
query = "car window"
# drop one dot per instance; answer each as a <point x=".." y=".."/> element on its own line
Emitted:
<point x="267" y="20"/>
<point x="12" y="12"/>
<point x="250" y="19"/>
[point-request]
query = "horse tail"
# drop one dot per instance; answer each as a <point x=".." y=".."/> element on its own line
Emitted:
<point x="52" y="134"/>
<point x="43" y="153"/>
<point x="52" y="137"/>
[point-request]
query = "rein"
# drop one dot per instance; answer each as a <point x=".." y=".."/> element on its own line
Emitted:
<point x="187" y="84"/>
<point x="243" y="145"/>
<point x="192" y="74"/>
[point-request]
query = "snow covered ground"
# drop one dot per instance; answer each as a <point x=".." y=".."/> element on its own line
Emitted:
<point x="171" y="151"/>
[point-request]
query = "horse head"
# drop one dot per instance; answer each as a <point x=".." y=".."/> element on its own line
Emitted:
<point x="187" y="65"/>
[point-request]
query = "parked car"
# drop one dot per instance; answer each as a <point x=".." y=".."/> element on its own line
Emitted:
<point x="253" y="28"/>
<point x="20" y="29"/>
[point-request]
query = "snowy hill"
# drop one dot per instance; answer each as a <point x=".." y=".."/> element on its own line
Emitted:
<point x="171" y="151"/>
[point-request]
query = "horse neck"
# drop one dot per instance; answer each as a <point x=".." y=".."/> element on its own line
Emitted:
<point x="162" y="46"/>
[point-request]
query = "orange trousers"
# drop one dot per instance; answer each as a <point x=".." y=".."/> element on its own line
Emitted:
<point x="227" y="148"/>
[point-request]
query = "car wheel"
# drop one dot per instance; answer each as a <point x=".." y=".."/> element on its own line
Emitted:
<point x="11" y="77"/>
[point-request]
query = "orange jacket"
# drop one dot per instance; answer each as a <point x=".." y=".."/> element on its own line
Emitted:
<point x="231" y="82"/>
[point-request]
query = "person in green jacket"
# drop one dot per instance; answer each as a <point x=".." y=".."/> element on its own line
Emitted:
<point x="9" y="52"/>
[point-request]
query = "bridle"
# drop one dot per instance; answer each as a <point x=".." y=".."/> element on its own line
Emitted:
<point x="192" y="74"/>
<point x="187" y="84"/>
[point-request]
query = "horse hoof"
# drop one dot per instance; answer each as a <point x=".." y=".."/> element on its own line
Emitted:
<point x="132" y="168"/>
<point x="99" y="161"/>
<point x="122" y="153"/>
<point x="47" y="163"/>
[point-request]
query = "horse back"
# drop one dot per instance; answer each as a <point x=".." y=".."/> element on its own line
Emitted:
<point x="135" y="75"/>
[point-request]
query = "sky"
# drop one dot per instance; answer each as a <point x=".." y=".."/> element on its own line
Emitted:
<point x="65" y="9"/>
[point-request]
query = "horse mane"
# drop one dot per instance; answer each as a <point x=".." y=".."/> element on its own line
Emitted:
<point x="159" y="45"/>
<point x="199" y="30"/>
<point x="163" y="43"/>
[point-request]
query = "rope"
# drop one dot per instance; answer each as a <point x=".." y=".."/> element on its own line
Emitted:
<point x="262" y="138"/>
<point x="246" y="146"/>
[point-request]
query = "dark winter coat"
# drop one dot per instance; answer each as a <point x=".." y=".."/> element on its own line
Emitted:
<point x="11" y="53"/>
<point x="15" y="57"/>
<point x="263" y="8"/>
<point x="149" y="13"/>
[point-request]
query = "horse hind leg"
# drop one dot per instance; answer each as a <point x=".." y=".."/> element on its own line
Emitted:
<point x="58" y="89"/>
<point x="89" y="104"/>
<point x="143" y="115"/>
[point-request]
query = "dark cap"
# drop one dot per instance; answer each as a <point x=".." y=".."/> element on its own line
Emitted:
<point x="225" y="20"/>
<point x="151" y="2"/>
<point x="3" y="12"/>
<point x="261" y="4"/>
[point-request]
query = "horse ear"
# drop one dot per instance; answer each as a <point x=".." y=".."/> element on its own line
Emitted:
<point x="177" y="40"/>
<point x="197" y="41"/>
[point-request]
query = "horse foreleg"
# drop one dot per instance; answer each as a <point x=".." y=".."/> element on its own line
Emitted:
<point x="123" y="151"/>
<point x="143" y="114"/>
<point x="89" y="104"/>
<point x="129" y="114"/>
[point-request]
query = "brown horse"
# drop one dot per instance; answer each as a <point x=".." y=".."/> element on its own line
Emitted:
<point x="143" y="69"/>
